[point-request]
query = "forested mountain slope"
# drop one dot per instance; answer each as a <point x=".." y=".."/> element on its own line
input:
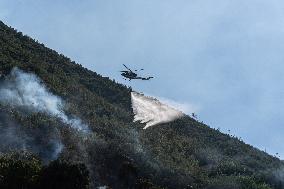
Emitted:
<point x="116" y="152"/>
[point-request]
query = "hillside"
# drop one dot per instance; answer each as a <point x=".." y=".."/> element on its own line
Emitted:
<point x="116" y="152"/>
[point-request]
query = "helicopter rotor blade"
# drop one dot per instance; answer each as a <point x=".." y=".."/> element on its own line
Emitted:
<point x="127" y="67"/>
<point x="140" y="69"/>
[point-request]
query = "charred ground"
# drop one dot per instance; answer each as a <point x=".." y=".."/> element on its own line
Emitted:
<point x="118" y="153"/>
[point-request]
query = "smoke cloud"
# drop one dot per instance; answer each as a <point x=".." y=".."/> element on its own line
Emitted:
<point x="43" y="141"/>
<point x="152" y="112"/>
<point x="10" y="136"/>
<point x="279" y="174"/>
<point x="25" y="90"/>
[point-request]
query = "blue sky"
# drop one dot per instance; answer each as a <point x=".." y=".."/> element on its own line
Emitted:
<point x="222" y="59"/>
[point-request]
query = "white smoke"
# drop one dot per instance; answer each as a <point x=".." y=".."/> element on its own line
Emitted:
<point x="25" y="90"/>
<point x="279" y="174"/>
<point x="152" y="112"/>
<point x="102" y="187"/>
<point x="57" y="149"/>
<point x="16" y="137"/>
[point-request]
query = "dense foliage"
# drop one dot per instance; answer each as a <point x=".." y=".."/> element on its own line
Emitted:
<point x="117" y="153"/>
<point x="23" y="170"/>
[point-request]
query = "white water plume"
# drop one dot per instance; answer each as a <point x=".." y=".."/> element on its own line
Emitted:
<point x="25" y="90"/>
<point x="152" y="112"/>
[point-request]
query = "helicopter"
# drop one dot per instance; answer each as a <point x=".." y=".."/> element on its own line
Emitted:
<point x="129" y="74"/>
